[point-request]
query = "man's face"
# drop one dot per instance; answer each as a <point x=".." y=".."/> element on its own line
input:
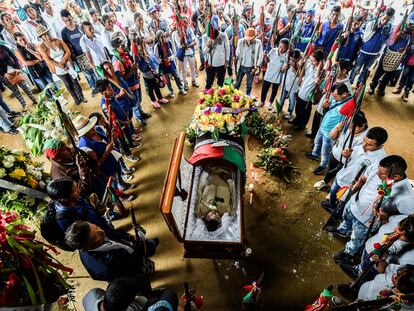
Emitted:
<point x="139" y="21"/>
<point x="75" y="192"/>
<point x="402" y="235"/>
<point x="334" y="17"/>
<point x="111" y="2"/>
<point x="322" y="4"/>
<point x="48" y="7"/>
<point x="271" y="7"/>
<point x="154" y="15"/>
<point x="31" y="12"/>
<point x="109" y="92"/>
<point x="76" y="8"/>
<point x="95" y="16"/>
<point x="68" y="21"/>
<point x="201" y="5"/>
<point x="301" y="4"/>
<point x="338" y="97"/>
<point x="132" y="5"/>
<point x="308" y="18"/>
<point x="356" y="25"/>
<point x="121" y="49"/>
<point x="382" y="172"/>
<point x="213" y="215"/>
<point x="282" y="48"/>
<point x="314" y="61"/>
<point x="96" y="236"/>
<point x="109" y="24"/>
<point x="89" y="31"/>
<point x="370" y="144"/>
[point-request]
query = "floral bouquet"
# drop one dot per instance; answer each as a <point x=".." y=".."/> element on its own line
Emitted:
<point x="221" y="110"/>
<point x="18" y="168"/>
<point x="44" y="122"/>
<point x="30" y="276"/>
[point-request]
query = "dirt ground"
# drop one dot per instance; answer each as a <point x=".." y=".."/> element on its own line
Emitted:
<point x="287" y="243"/>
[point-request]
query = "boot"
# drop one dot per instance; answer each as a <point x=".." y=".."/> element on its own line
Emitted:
<point x="397" y="90"/>
<point x="404" y="96"/>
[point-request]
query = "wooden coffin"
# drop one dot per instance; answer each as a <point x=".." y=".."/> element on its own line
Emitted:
<point x="181" y="200"/>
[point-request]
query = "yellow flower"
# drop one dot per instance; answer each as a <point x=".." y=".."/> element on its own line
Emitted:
<point x="33" y="183"/>
<point x="18" y="173"/>
<point x="21" y="158"/>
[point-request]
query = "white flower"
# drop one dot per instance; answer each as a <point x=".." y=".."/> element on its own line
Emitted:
<point x="7" y="164"/>
<point x="2" y="172"/>
<point x="42" y="184"/>
<point x="9" y="158"/>
<point x="37" y="175"/>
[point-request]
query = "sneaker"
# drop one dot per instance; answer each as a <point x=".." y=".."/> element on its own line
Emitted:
<point x="182" y="92"/>
<point x="349" y="269"/>
<point x="195" y="83"/>
<point x="311" y="156"/>
<point x="84" y="100"/>
<point x="145" y="115"/>
<point x="172" y="94"/>
<point x="319" y="185"/>
<point x="269" y="106"/>
<point x="397" y="90"/>
<point x="380" y="92"/>
<point x="342" y="256"/>
<point x="124" y="186"/>
<point x="136" y="137"/>
<point x="132" y="158"/>
<point x="404" y="96"/>
<point x="136" y="145"/>
<point x="371" y="91"/>
<point x="126" y="177"/>
<point x="138" y="130"/>
<point x="13" y="131"/>
<point x="319" y="170"/>
<point x="129" y="198"/>
<point x="112" y="215"/>
<point x="186" y="87"/>
<point x="13" y="114"/>
<point x="334" y="230"/>
<point x="156" y="105"/>
<point x="93" y="93"/>
<point x="163" y="101"/>
<point x="201" y="68"/>
<point x="346" y="291"/>
<point x="288" y="116"/>
<point x="325" y="205"/>
<point x="127" y="169"/>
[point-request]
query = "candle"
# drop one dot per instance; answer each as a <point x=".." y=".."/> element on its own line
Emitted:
<point x="251" y="198"/>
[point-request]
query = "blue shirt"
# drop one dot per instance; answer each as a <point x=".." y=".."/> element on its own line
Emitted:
<point x="121" y="107"/>
<point x="305" y="35"/>
<point x="328" y="36"/>
<point x="332" y="117"/>
<point x="377" y="40"/>
<point x="351" y="49"/>
<point x="72" y="39"/>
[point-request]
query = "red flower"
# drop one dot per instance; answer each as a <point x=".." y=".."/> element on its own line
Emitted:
<point x="283" y="158"/>
<point x="210" y="91"/>
<point x="236" y="98"/>
<point x="201" y="101"/>
<point x="222" y="92"/>
<point x="377" y="245"/>
<point x="219" y="105"/>
<point x="207" y="112"/>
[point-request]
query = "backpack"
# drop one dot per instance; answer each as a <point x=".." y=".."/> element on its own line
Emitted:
<point x="50" y="229"/>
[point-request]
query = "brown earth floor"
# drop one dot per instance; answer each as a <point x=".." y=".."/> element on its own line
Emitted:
<point x="288" y="244"/>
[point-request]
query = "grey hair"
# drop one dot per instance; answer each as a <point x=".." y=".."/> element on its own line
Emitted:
<point x="77" y="235"/>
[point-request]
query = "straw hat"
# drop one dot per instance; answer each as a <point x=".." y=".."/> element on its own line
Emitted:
<point x="41" y="30"/>
<point x="250" y="34"/>
<point x="83" y="125"/>
<point x="367" y="5"/>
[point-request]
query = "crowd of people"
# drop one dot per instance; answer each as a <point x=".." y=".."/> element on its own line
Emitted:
<point x="313" y="51"/>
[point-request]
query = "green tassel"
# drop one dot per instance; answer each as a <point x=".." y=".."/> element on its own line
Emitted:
<point x="247" y="298"/>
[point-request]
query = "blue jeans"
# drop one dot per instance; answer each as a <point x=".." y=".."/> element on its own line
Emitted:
<point x="43" y="81"/>
<point x="358" y="231"/>
<point x="91" y="77"/>
<point x="332" y="194"/>
<point x="137" y="110"/>
<point x="250" y="76"/>
<point x="292" y="100"/>
<point x="407" y="78"/>
<point x="200" y="49"/>
<point x="5" y="123"/>
<point x="322" y="147"/>
<point x="363" y="61"/>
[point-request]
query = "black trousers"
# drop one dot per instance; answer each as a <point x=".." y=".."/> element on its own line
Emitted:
<point x="385" y="77"/>
<point x="265" y="88"/>
<point x="73" y="87"/>
<point x="303" y="111"/>
<point x="212" y="72"/>
<point x="152" y="87"/>
<point x="316" y="122"/>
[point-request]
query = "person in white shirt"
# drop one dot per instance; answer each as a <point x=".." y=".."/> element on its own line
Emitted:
<point x="359" y="211"/>
<point x="96" y="21"/>
<point x="129" y="16"/>
<point x="10" y="28"/>
<point x="249" y="53"/>
<point x="185" y="47"/>
<point x="110" y="32"/>
<point x="389" y="283"/>
<point x="370" y="152"/>
<point x="276" y="67"/>
<point x="92" y="45"/>
<point x="217" y="54"/>
<point x="33" y="20"/>
<point x="311" y="77"/>
<point x="291" y="87"/>
<point x="53" y="19"/>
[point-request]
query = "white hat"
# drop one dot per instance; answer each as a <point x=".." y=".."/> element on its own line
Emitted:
<point x="367" y="5"/>
<point x="83" y="125"/>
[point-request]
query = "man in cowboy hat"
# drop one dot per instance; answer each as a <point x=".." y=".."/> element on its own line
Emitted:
<point x="250" y="55"/>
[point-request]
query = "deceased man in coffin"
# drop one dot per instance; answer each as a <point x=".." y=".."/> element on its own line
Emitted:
<point x="214" y="207"/>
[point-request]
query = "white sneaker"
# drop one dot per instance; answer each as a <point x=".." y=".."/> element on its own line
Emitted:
<point x="288" y="116"/>
<point x="269" y="106"/>
<point x="328" y="196"/>
<point x="132" y="158"/>
<point x="319" y="185"/>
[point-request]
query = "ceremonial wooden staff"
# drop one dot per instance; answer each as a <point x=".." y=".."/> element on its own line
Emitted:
<point x="67" y="124"/>
<point x="376" y="304"/>
<point x="139" y="232"/>
<point x="346" y="196"/>
<point x="274" y="32"/>
<point x="112" y="193"/>
<point x="235" y="22"/>
<point x="380" y="10"/>
<point x="349" y="25"/>
<point x="307" y="53"/>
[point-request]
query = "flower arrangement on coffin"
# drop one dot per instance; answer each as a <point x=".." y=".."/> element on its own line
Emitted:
<point x="18" y="168"/>
<point x="274" y="158"/>
<point x="44" y="122"/>
<point x="220" y="110"/>
<point x="30" y="275"/>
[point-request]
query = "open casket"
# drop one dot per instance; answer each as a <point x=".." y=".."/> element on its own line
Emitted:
<point x="208" y="182"/>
